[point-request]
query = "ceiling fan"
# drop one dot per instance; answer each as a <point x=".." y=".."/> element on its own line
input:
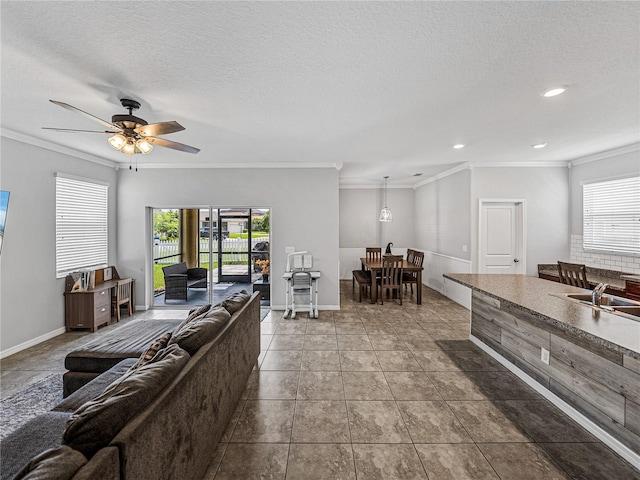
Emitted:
<point x="130" y="134"/>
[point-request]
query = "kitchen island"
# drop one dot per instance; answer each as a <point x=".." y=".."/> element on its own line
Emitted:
<point x="588" y="359"/>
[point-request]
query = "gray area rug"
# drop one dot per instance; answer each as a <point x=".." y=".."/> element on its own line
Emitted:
<point x="22" y="406"/>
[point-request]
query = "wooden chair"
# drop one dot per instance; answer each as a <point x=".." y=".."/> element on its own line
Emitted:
<point x="371" y="253"/>
<point x="123" y="296"/>
<point x="409" y="278"/>
<point x="573" y="274"/>
<point x="391" y="276"/>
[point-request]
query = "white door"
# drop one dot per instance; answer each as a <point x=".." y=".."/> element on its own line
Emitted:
<point x="501" y="237"/>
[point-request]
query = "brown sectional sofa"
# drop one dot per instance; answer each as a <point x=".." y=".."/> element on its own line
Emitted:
<point x="174" y="435"/>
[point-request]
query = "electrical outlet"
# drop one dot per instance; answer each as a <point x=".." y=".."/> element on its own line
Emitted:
<point x="464" y="248"/>
<point x="544" y="355"/>
<point x="289" y="249"/>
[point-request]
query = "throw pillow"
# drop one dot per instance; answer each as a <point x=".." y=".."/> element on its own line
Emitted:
<point x="60" y="463"/>
<point x="201" y="330"/>
<point x="96" y="422"/>
<point x="193" y="314"/>
<point x="157" y="345"/>
<point x="235" y="301"/>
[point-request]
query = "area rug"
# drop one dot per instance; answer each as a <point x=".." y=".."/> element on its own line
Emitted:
<point x="35" y="399"/>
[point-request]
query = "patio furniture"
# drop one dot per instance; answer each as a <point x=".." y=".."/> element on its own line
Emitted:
<point x="178" y="278"/>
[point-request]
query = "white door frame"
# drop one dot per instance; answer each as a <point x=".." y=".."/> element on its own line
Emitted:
<point x="521" y="229"/>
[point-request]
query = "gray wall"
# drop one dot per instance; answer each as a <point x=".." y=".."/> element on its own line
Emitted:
<point x="360" y="211"/>
<point x="304" y="214"/>
<point x="443" y="216"/>
<point x="31" y="298"/>
<point x="546" y="191"/>
<point x="606" y="168"/>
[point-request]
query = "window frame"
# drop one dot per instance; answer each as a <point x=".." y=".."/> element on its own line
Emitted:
<point x="80" y="202"/>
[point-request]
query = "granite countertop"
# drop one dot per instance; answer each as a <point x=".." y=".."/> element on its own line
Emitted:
<point x="631" y="278"/>
<point x="533" y="294"/>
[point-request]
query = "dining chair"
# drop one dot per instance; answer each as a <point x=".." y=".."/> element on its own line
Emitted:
<point x="371" y="254"/>
<point x="409" y="278"/>
<point x="391" y="278"/>
<point x="123" y="296"/>
<point x="573" y="274"/>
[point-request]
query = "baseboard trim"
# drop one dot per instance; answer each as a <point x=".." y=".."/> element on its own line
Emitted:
<point x="320" y="307"/>
<point x="606" y="438"/>
<point x="32" y="342"/>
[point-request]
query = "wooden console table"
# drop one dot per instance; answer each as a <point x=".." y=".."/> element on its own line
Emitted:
<point x="91" y="308"/>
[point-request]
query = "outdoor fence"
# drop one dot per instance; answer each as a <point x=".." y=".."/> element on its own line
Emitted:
<point x="168" y="252"/>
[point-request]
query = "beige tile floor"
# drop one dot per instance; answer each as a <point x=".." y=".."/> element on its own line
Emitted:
<point x="378" y="392"/>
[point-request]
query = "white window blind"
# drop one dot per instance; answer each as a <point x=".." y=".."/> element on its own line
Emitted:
<point x="611" y="216"/>
<point x="81" y="225"/>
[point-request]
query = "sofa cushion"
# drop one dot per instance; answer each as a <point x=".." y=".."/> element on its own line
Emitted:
<point x="96" y="422"/>
<point x="196" y="333"/>
<point x="95" y="387"/>
<point x="59" y="463"/>
<point x="34" y="437"/>
<point x="157" y="345"/>
<point x="126" y="341"/>
<point x="235" y="301"/>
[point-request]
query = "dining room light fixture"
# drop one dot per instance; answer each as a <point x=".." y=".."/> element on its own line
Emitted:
<point x="385" y="213"/>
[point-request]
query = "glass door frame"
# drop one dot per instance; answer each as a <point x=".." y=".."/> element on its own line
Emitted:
<point x="222" y="277"/>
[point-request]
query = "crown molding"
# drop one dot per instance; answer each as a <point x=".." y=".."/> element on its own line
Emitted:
<point x="37" y="142"/>
<point x="232" y="165"/>
<point x="559" y="164"/>
<point x="355" y="186"/>
<point x="446" y="173"/>
<point x="634" y="147"/>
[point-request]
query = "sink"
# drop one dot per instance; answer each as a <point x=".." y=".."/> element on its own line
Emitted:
<point x="606" y="300"/>
<point x="612" y="304"/>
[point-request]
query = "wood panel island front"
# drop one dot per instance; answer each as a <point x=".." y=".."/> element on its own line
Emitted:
<point x="593" y="363"/>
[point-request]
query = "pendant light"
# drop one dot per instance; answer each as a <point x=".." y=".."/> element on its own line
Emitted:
<point x="385" y="213"/>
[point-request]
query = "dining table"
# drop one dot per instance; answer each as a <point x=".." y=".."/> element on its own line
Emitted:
<point x="375" y="266"/>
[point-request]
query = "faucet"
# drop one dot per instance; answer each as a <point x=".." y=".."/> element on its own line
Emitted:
<point x="596" y="295"/>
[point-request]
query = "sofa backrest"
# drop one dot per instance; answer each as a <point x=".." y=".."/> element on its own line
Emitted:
<point x="176" y="434"/>
<point x="178" y="268"/>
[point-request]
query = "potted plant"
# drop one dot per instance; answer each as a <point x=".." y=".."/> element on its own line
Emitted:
<point x="264" y="264"/>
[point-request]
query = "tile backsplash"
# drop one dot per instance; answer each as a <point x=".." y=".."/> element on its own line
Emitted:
<point x="607" y="261"/>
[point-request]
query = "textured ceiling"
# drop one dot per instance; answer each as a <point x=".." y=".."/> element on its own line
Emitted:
<point x="376" y="88"/>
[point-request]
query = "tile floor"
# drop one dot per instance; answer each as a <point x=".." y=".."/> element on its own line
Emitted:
<point x="378" y="392"/>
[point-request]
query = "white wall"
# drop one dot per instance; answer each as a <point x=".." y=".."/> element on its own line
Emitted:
<point x="304" y="214"/>
<point x="360" y="227"/>
<point x="546" y="191"/>
<point x="31" y="298"/>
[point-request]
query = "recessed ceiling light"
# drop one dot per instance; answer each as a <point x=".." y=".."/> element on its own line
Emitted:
<point x="458" y="146"/>
<point x="417" y="174"/>
<point x="539" y="145"/>
<point x="554" y="91"/>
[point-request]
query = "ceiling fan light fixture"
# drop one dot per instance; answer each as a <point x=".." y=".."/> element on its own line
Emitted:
<point x="118" y="141"/>
<point x="144" y="146"/>
<point x="129" y="148"/>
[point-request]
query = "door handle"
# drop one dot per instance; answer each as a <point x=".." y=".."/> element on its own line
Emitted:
<point x="516" y="260"/>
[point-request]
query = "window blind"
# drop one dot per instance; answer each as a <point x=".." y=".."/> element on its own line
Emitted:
<point x="611" y="216"/>
<point x="81" y="225"/>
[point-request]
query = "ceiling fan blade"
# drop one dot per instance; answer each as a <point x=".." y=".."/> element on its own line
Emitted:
<point x="174" y="145"/>
<point x="85" y="114"/>
<point x="161" y="128"/>
<point x="71" y="130"/>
